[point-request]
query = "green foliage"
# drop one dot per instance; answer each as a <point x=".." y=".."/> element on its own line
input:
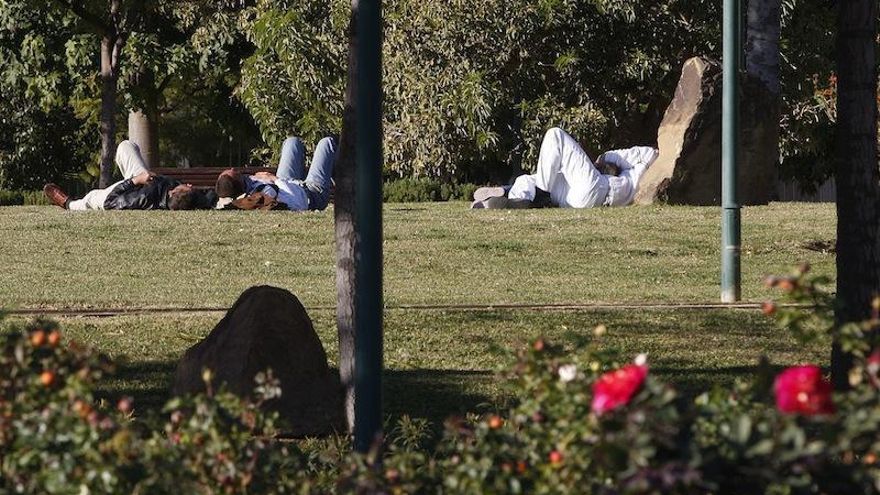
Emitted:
<point x="10" y="197"/>
<point x="293" y="83"/>
<point x="55" y="437"/>
<point x="425" y="189"/>
<point x="726" y="441"/>
<point x="806" y="141"/>
<point x="470" y="87"/>
<point x="41" y="138"/>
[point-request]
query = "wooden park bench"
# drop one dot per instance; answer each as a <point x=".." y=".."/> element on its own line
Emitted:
<point x="204" y="177"/>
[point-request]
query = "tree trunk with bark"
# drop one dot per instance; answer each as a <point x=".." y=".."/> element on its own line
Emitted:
<point x="346" y="236"/>
<point x="762" y="41"/>
<point x="112" y="41"/>
<point x="143" y="130"/>
<point x="857" y="174"/>
<point x="143" y="123"/>
<point x="109" y="78"/>
<point x="760" y="139"/>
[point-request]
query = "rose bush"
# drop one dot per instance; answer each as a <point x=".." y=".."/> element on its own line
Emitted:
<point x="595" y="425"/>
<point x="803" y="390"/>
<point x="616" y="388"/>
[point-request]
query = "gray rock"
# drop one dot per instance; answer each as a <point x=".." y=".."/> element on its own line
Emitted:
<point x="688" y="170"/>
<point x="268" y="328"/>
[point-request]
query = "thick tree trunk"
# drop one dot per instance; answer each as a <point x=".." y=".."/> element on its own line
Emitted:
<point x="760" y="132"/>
<point x="762" y="41"/>
<point x="109" y="77"/>
<point x="858" y="178"/>
<point x="112" y="42"/>
<point x="346" y="238"/>
<point x="143" y="124"/>
<point x="143" y="130"/>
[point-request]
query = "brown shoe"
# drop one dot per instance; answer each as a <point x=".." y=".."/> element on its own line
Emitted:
<point x="56" y="195"/>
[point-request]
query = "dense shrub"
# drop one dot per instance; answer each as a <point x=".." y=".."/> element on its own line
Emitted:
<point x="426" y="189"/>
<point x="18" y="198"/>
<point x="587" y="426"/>
<point x="56" y="437"/>
<point x="471" y="86"/>
<point x="598" y="427"/>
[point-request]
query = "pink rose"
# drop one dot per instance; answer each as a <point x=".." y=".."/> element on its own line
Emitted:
<point x="802" y="390"/>
<point x="616" y="388"/>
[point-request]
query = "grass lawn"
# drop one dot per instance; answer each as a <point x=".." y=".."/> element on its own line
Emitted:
<point x="439" y="361"/>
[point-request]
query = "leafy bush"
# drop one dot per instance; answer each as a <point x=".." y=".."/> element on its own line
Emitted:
<point x="470" y="87"/>
<point x="588" y="427"/>
<point x="23" y="197"/>
<point x="591" y="426"/>
<point x="55" y="437"/>
<point x="11" y="198"/>
<point x="18" y="198"/>
<point x="425" y="189"/>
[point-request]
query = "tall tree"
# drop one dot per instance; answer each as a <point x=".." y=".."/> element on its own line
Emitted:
<point x="762" y="62"/>
<point x="107" y="20"/>
<point x="346" y="234"/>
<point x="858" y="177"/>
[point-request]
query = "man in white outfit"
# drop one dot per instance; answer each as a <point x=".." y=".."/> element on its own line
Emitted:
<point x="139" y="189"/>
<point x="567" y="173"/>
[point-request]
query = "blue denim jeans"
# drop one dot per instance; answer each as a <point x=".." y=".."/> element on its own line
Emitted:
<point x="317" y="182"/>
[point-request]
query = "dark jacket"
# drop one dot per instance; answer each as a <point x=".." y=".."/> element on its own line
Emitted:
<point x="151" y="196"/>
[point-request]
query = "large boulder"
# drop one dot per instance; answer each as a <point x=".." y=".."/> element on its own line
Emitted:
<point x="268" y="328"/>
<point x="688" y="170"/>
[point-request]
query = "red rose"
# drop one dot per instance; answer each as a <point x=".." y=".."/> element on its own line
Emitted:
<point x="616" y="388"/>
<point x="873" y="360"/>
<point x="802" y="390"/>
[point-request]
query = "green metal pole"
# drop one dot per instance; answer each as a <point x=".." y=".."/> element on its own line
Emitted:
<point x="730" y="219"/>
<point x="368" y="225"/>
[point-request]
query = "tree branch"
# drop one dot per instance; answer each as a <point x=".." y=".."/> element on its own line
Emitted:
<point x="95" y="21"/>
<point x="164" y="83"/>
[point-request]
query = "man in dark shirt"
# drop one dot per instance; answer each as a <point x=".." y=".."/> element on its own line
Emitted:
<point x="138" y="190"/>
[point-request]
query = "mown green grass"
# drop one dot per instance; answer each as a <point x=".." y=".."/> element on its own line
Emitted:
<point x="438" y="362"/>
<point x="437" y="253"/>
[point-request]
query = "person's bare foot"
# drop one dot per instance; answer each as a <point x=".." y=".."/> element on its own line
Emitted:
<point x="56" y="195"/>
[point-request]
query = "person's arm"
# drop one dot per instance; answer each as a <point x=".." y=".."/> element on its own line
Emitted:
<point x="633" y="162"/>
<point x="630" y="157"/>
<point x="266" y="176"/>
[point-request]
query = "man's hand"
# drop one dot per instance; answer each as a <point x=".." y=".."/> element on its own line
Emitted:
<point x="142" y="179"/>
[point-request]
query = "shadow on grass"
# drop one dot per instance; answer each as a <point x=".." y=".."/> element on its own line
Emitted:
<point x="691" y="382"/>
<point x="428" y="393"/>
<point x="433" y="394"/>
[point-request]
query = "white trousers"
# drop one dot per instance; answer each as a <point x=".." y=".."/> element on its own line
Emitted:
<point x="130" y="163"/>
<point x="568" y="174"/>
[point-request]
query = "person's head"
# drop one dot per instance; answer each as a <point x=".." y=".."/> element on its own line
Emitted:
<point x="182" y="197"/>
<point x="230" y="184"/>
<point x="186" y="197"/>
<point x="607" y="168"/>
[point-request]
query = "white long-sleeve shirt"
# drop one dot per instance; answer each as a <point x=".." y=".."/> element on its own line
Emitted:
<point x="633" y="162"/>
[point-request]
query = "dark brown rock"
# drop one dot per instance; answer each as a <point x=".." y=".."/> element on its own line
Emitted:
<point x="268" y="328"/>
<point x="688" y="170"/>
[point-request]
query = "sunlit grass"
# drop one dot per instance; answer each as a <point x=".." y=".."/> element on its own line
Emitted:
<point x="440" y="361"/>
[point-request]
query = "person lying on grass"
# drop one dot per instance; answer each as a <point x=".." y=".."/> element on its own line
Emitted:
<point x="139" y="189"/>
<point x="568" y="178"/>
<point x="290" y="185"/>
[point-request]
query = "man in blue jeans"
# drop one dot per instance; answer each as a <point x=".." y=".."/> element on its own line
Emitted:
<point x="289" y="185"/>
